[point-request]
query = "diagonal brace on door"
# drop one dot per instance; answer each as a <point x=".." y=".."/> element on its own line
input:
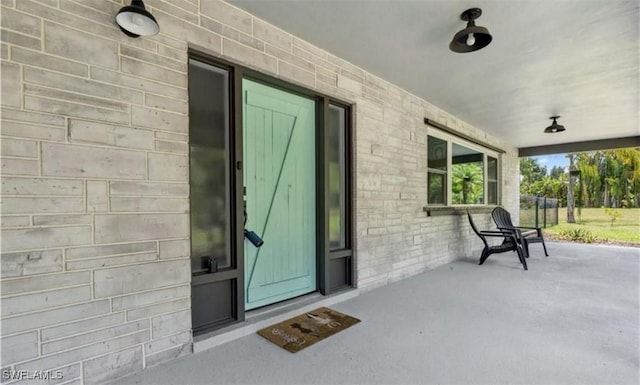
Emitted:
<point x="275" y="190"/>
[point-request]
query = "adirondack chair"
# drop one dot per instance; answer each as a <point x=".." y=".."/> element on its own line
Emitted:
<point x="524" y="235"/>
<point x="509" y="243"/>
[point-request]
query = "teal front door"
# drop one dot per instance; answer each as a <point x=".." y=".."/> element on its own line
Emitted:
<point x="280" y="193"/>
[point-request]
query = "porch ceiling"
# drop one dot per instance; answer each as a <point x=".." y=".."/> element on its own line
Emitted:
<point x="577" y="59"/>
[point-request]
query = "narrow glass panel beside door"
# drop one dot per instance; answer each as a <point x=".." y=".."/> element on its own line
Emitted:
<point x="209" y="167"/>
<point x="337" y="178"/>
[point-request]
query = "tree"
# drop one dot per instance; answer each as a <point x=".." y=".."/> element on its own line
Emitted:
<point x="570" y="200"/>
<point x="551" y="188"/>
<point x="608" y="178"/>
<point x="589" y="185"/>
<point x="556" y="171"/>
<point x="629" y="159"/>
<point x="467" y="185"/>
<point x="530" y="172"/>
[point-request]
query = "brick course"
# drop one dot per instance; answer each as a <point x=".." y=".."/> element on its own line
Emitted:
<point x="95" y="240"/>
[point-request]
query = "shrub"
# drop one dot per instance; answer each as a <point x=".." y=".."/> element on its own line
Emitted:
<point x="613" y="214"/>
<point x="579" y="235"/>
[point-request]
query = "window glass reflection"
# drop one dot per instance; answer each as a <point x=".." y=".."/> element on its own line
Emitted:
<point x="492" y="180"/>
<point x="437" y="153"/>
<point x="208" y="165"/>
<point x="437" y="188"/>
<point x="437" y="171"/>
<point x="337" y="172"/>
<point x="467" y="176"/>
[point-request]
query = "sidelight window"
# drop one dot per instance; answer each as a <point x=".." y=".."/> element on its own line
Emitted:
<point x="209" y="166"/>
<point x="336" y="154"/>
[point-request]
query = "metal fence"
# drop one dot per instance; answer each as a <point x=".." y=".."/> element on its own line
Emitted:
<point x="538" y="211"/>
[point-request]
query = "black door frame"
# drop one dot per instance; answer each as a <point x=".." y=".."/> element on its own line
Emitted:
<point x="234" y="276"/>
<point x="230" y="280"/>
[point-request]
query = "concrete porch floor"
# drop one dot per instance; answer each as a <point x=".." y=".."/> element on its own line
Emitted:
<point x="573" y="318"/>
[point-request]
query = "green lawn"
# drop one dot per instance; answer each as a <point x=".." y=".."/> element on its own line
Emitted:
<point x="625" y="229"/>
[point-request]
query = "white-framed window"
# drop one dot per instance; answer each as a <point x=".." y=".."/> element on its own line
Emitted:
<point x="460" y="172"/>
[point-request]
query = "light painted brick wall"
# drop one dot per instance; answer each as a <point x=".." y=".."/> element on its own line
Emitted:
<point x="95" y="224"/>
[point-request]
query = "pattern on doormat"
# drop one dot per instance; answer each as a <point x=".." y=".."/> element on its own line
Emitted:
<point x="306" y="329"/>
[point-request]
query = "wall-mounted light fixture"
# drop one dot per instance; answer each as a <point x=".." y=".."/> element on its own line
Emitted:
<point x="554" y="127"/>
<point x="135" y="21"/>
<point x="473" y="37"/>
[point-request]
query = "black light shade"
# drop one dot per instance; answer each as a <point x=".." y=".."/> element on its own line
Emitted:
<point x="554" y="127"/>
<point x="135" y="21"/>
<point x="473" y="37"/>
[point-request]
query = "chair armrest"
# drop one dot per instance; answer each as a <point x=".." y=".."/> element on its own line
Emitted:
<point x="515" y="232"/>
<point x="501" y="234"/>
<point x="537" y="229"/>
<point x="490" y="232"/>
<point x="528" y="228"/>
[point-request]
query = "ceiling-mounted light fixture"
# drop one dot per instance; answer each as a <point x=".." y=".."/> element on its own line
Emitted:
<point x="554" y="127"/>
<point x="135" y="21"/>
<point x="471" y="38"/>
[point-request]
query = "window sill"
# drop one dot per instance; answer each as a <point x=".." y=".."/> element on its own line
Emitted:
<point x="434" y="211"/>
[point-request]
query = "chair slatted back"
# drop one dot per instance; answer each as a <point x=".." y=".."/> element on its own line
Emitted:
<point x="502" y="218"/>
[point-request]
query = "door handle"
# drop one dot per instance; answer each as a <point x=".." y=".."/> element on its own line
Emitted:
<point x="253" y="238"/>
<point x="250" y="235"/>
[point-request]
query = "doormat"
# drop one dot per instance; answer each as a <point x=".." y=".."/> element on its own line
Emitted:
<point x="306" y="329"/>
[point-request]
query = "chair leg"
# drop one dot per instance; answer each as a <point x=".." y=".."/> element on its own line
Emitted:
<point x="545" y="248"/>
<point x="523" y="260"/>
<point x="525" y="247"/>
<point x="484" y="256"/>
